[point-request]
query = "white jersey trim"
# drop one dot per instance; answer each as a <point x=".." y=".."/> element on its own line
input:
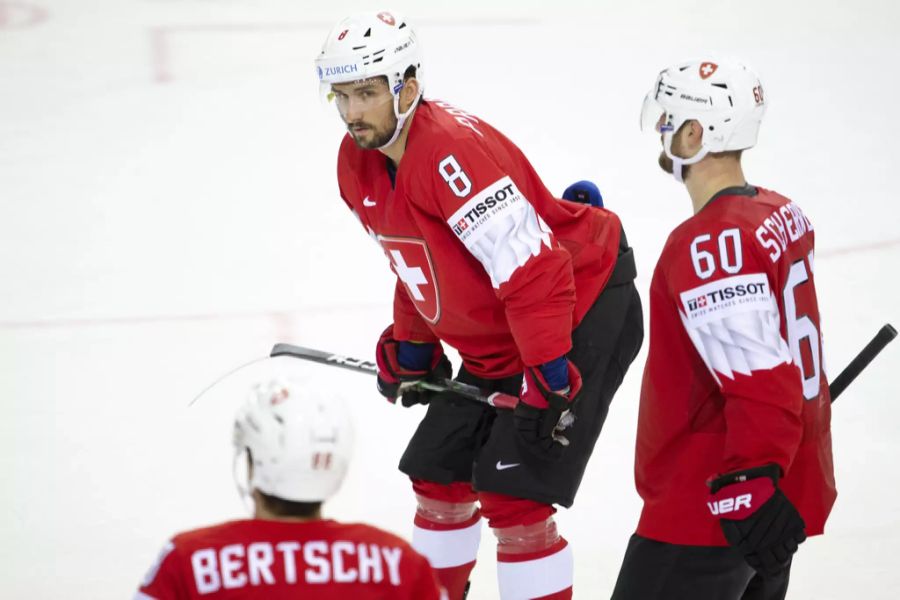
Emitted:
<point x="734" y="323"/>
<point x="500" y="228"/>
<point x="449" y="548"/>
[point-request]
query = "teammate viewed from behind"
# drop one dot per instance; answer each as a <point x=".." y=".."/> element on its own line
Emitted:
<point x="297" y="444"/>
<point x="733" y="454"/>
<point x="488" y="261"/>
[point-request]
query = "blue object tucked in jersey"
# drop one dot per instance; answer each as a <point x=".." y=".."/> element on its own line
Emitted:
<point x="585" y="192"/>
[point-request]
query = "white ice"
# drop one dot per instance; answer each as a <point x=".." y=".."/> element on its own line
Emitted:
<point x="168" y="210"/>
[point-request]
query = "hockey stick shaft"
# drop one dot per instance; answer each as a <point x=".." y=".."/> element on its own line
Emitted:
<point x="471" y="392"/>
<point x="884" y="337"/>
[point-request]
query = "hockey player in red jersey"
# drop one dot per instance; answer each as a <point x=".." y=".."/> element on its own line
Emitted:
<point x="490" y="262"/>
<point x="733" y="456"/>
<point x="297" y="444"/>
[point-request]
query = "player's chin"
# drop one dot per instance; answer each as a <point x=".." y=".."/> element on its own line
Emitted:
<point x="665" y="163"/>
<point x="365" y="138"/>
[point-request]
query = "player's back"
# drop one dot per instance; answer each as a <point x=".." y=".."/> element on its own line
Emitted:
<point x="749" y="250"/>
<point x="317" y="560"/>
<point x="777" y="230"/>
<point x="785" y="239"/>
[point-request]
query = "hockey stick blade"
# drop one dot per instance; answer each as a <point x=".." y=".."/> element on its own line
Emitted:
<point x="884" y="337"/>
<point x="471" y="392"/>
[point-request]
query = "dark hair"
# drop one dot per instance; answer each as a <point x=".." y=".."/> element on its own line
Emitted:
<point x="288" y="508"/>
<point x="410" y="72"/>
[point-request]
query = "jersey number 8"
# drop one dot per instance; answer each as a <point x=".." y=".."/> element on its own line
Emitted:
<point x="455" y="177"/>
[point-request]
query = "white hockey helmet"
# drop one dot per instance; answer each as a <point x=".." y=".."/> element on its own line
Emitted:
<point x="724" y="96"/>
<point x="367" y="45"/>
<point x="299" y="440"/>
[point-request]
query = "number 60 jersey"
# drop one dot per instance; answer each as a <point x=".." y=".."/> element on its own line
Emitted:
<point x="734" y="374"/>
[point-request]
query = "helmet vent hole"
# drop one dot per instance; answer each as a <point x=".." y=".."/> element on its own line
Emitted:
<point x="368" y="32"/>
<point x="724" y="86"/>
<point x="358" y="47"/>
<point x="379" y="52"/>
<point x="379" y="59"/>
<point x="712" y="128"/>
<point x="402" y="25"/>
<point x="730" y="101"/>
<point x="684" y="68"/>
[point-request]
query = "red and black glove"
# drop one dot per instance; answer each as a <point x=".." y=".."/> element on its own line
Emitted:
<point x="757" y="518"/>
<point x="543" y="414"/>
<point x="402" y="362"/>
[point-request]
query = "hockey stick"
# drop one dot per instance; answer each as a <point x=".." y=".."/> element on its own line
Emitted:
<point x="884" y="337"/>
<point x="471" y="392"/>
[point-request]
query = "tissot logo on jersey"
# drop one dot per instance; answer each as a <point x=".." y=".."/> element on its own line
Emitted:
<point x="476" y="212"/>
<point x="726" y="297"/>
<point x="489" y="223"/>
<point x="727" y="293"/>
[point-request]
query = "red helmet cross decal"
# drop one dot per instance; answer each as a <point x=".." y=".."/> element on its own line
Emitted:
<point x="387" y="18"/>
<point x="707" y="69"/>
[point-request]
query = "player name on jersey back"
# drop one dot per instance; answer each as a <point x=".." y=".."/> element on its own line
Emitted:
<point x="314" y="562"/>
<point x="785" y="225"/>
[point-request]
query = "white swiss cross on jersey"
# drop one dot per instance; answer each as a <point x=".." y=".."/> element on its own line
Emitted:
<point x="411" y="262"/>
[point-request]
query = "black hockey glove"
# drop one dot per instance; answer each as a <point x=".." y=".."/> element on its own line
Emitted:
<point x="757" y="518"/>
<point x="423" y="362"/>
<point x="542" y="415"/>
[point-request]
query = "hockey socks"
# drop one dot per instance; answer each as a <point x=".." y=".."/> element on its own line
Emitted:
<point x="447" y="532"/>
<point x="526" y="572"/>
<point x="533" y="560"/>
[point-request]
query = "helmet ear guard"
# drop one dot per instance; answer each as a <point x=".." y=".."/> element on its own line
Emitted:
<point x="724" y="97"/>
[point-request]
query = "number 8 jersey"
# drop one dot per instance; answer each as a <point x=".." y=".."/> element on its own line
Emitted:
<point x="486" y="258"/>
<point x="734" y="374"/>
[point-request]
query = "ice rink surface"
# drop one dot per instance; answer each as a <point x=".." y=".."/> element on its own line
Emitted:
<point x="169" y="210"/>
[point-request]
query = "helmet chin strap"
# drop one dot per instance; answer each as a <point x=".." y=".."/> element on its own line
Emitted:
<point x="401" y="117"/>
<point x="679" y="163"/>
<point x="243" y="488"/>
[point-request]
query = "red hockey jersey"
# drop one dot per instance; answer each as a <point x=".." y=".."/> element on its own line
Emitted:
<point x="486" y="258"/>
<point x="318" y="560"/>
<point x="734" y="374"/>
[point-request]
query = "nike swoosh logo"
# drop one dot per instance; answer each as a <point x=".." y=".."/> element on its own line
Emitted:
<point x="501" y="466"/>
<point x="366" y="202"/>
